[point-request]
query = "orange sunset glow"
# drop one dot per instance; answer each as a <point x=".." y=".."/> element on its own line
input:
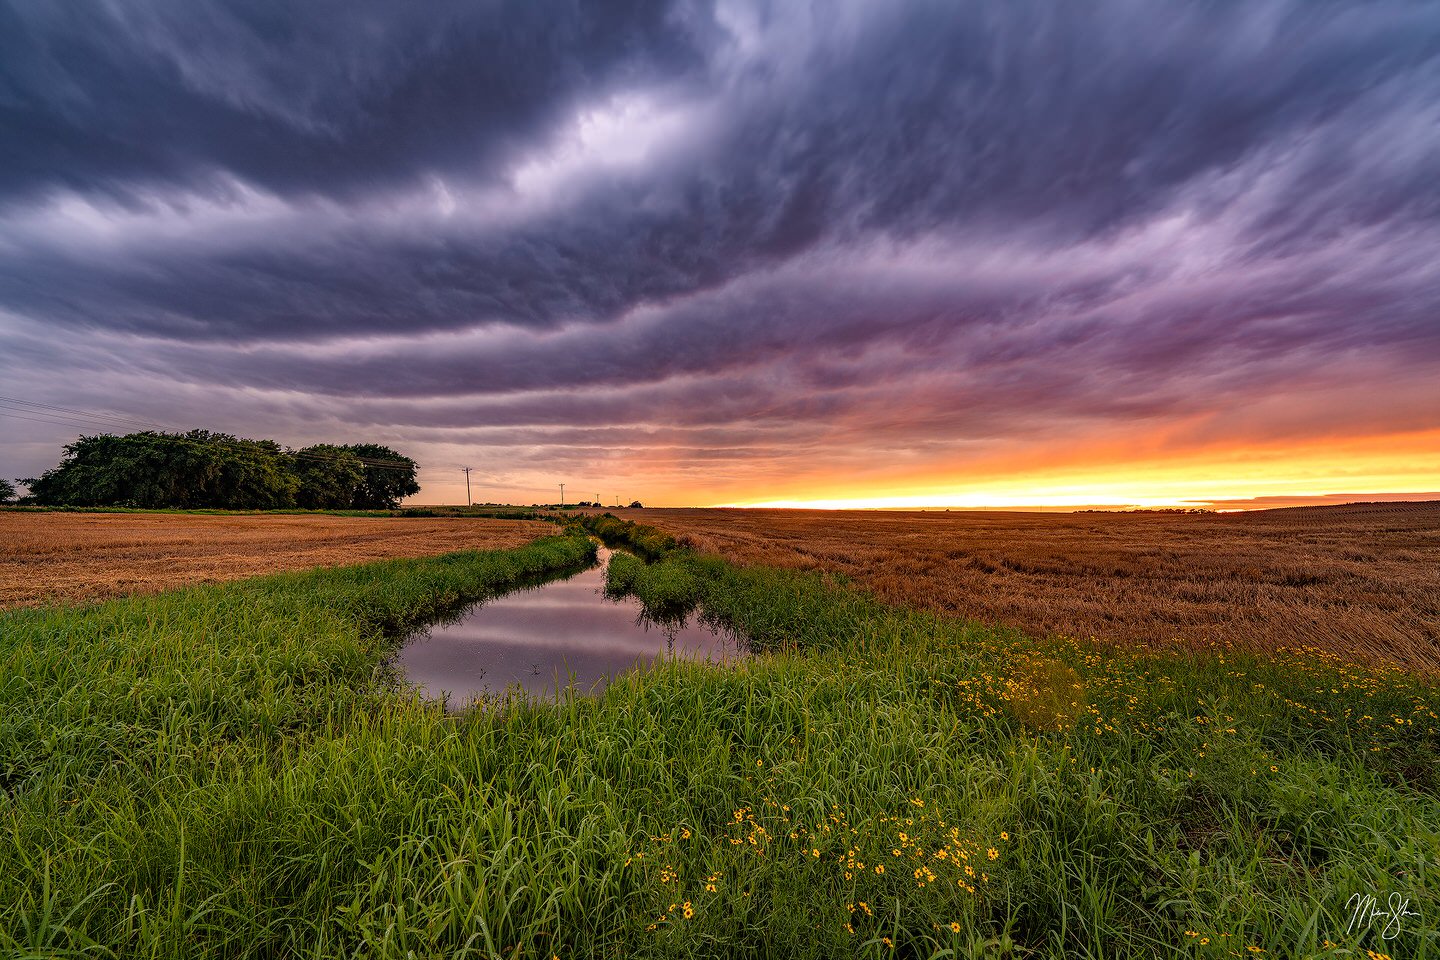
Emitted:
<point x="1401" y="467"/>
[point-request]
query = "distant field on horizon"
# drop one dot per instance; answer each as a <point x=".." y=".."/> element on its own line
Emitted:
<point x="75" y="557"/>
<point x="1361" y="580"/>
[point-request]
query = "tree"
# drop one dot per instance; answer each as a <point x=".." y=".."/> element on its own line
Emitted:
<point x="204" y="469"/>
<point x="153" y="469"/>
<point x="237" y="474"/>
<point x="7" y="491"/>
<point x="636" y="504"/>
<point x="389" y="477"/>
<point x="329" y="477"/>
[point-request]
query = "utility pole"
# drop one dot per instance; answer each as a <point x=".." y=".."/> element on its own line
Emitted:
<point x="467" y="485"/>
<point x="562" y="495"/>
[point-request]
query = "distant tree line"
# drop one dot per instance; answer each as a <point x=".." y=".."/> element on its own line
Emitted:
<point x="1153" y="510"/>
<point x="201" y="469"/>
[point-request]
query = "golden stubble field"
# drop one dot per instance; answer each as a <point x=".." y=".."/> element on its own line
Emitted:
<point x="69" y="557"/>
<point x="1362" y="581"/>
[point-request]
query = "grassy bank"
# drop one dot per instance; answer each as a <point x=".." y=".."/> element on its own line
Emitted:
<point x="227" y="772"/>
<point x="1109" y="803"/>
<point x="645" y="542"/>
<point x="1361" y="581"/>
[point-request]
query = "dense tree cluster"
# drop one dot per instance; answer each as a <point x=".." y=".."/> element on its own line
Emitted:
<point x="204" y="469"/>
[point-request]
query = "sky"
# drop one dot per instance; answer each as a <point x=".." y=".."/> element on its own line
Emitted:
<point x="838" y="254"/>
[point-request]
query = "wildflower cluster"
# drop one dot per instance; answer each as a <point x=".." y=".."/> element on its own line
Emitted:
<point x="1224" y="942"/>
<point x="886" y="860"/>
<point x="1095" y="689"/>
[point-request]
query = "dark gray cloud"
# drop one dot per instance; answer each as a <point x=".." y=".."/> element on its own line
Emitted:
<point x="675" y="223"/>
<point x="329" y="98"/>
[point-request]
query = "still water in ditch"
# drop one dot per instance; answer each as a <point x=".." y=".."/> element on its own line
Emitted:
<point x="563" y="632"/>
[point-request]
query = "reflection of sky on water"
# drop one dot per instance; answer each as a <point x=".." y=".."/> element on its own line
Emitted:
<point x="564" y="631"/>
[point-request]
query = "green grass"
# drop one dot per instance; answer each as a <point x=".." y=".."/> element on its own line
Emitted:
<point x="645" y="542"/>
<point x="231" y="771"/>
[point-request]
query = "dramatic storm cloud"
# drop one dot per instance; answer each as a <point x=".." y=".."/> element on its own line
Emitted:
<point x="737" y="252"/>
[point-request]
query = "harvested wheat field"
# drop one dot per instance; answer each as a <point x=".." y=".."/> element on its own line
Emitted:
<point x="69" y="557"/>
<point x="1362" y="581"/>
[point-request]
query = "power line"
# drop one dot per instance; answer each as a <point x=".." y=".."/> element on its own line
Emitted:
<point x="35" y="411"/>
<point x="84" y="414"/>
<point x="76" y="418"/>
<point x="82" y="418"/>
<point x="16" y="416"/>
<point x="59" y="419"/>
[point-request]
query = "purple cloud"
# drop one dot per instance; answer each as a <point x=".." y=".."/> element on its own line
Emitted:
<point x="689" y="234"/>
